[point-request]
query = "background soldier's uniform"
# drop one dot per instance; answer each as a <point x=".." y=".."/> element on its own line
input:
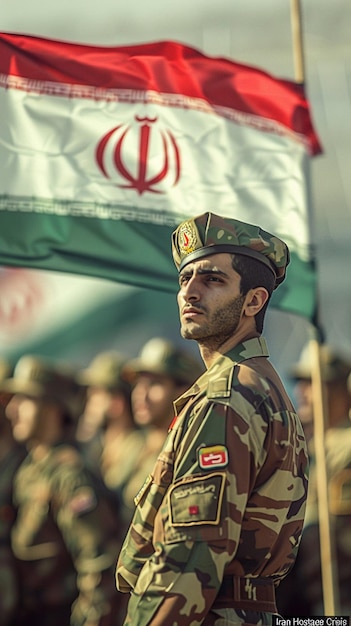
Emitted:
<point x="11" y="456"/>
<point x="302" y="591"/>
<point x="9" y="580"/>
<point x="338" y="464"/>
<point x="65" y="538"/>
<point x="217" y="524"/>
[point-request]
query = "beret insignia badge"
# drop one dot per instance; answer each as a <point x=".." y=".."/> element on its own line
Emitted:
<point x="188" y="238"/>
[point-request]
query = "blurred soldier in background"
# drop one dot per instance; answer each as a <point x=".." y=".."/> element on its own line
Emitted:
<point x="106" y="432"/>
<point x="65" y="536"/>
<point x="11" y="456"/>
<point x="160" y="374"/>
<point x="301" y="593"/>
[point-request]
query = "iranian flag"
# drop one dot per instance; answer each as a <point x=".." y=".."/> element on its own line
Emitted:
<point x="104" y="150"/>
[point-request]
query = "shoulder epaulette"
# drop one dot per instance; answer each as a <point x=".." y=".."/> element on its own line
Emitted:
<point x="220" y="387"/>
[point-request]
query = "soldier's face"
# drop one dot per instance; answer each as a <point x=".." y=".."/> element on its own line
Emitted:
<point x="23" y="413"/>
<point x="152" y="400"/>
<point x="97" y="405"/>
<point x="304" y="400"/>
<point x="209" y="299"/>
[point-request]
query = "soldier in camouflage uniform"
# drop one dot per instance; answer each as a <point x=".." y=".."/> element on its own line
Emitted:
<point x="107" y="417"/>
<point x="65" y="536"/>
<point x="218" y="521"/>
<point x="302" y="590"/>
<point x="115" y="448"/>
<point x="161" y="373"/>
<point x="11" y="456"/>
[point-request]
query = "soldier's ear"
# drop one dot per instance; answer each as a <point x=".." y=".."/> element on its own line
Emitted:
<point x="255" y="300"/>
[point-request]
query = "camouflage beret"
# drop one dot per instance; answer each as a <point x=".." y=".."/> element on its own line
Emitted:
<point x="209" y="234"/>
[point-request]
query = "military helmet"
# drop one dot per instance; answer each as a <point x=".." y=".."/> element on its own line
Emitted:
<point x="161" y="356"/>
<point x="106" y="370"/>
<point x="333" y="366"/>
<point x="37" y="377"/>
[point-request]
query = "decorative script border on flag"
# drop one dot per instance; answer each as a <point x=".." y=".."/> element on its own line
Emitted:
<point x="97" y="210"/>
<point x="89" y="92"/>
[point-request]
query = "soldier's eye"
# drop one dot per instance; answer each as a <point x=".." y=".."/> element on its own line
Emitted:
<point x="183" y="279"/>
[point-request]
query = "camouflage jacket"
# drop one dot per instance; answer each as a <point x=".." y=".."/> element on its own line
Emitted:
<point x="65" y="538"/>
<point x="226" y="497"/>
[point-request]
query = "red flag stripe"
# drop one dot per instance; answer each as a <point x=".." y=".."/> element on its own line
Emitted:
<point x="156" y="68"/>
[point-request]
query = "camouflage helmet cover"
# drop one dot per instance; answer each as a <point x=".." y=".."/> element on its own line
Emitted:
<point x="160" y="356"/>
<point x="106" y="370"/>
<point x="37" y="377"/>
<point x="209" y="234"/>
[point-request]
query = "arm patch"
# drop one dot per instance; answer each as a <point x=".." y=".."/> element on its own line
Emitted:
<point x="197" y="500"/>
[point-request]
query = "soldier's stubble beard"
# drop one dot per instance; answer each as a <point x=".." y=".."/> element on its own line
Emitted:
<point x="214" y="328"/>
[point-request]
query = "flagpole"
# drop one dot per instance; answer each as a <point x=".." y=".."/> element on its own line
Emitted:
<point x="326" y="533"/>
<point x="326" y="537"/>
<point x="297" y="36"/>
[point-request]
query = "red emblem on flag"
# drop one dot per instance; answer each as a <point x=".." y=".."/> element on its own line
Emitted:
<point x="134" y="146"/>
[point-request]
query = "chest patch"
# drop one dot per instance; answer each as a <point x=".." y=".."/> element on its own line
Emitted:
<point x="213" y="456"/>
<point x="83" y="501"/>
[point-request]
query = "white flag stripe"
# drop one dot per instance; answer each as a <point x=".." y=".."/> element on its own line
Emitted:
<point x="224" y="167"/>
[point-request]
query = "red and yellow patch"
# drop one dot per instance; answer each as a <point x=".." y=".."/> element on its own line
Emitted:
<point x="213" y="456"/>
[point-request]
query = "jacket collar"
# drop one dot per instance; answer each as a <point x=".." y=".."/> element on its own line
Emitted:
<point x="247" y="349"/>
